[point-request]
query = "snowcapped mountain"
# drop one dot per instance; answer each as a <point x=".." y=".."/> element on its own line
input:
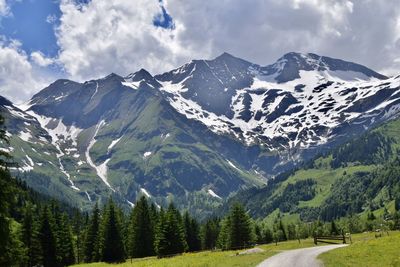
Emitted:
<point x="195" y="134"/>
<point x="300" y="101"/>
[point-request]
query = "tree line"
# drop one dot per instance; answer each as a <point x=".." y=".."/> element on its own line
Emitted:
<point x="43" y="234"/>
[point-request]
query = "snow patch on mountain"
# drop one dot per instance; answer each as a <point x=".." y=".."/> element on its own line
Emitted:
<point x="232" y="165"/>
<point x="30" y="160"/>
<point x="88" y="196"/>
<point x="147" y="154"/>
<point x="133" y="85"/>
<point x="60" y="132"/>
<point x="113" y="143"/>
<point x="26" y="136"/>
<point x="95" y="91"/>
<point x="165" y="136"/>
<point x="59" y="135"/>
<point x="213" y="194"/>
<point x="130" y="204"/>
<point x="101" y="169"/>
<point x="145" y="192"/>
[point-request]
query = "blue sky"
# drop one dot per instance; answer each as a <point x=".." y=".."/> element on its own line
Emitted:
<point x="41" y="40"/>
<point x="31" y="24"/>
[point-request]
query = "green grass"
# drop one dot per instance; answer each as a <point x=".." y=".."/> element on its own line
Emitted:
<point x="324" y="177"/>
<point x="366" y="251"/>
<point x="211" y="259"/>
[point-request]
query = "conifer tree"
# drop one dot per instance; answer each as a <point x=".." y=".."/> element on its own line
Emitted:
<point x="79" y="224"/>
<point x="112" y="246"/>
<point x="47" y="239"/>
<point x="224" y="238"/>
<point x="240" y="229"/>
<point x="170" y="237"/>
<point x="29" y="236"/>
<point x="66" y="245"/>
<point x="192" y="233"/>
<point x="209" y="234"/>
<point x="141" y="232"/>
<point x="91" y="250"/>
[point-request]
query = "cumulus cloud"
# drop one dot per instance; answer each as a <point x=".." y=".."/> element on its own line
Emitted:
<point x="99" y="37"/>
<point x="261" y="31"/>
<point x="40" y="59"/>
<point x="116" y="36"/>
<point x="18" y="79"/>
<point x="119" y="36"/>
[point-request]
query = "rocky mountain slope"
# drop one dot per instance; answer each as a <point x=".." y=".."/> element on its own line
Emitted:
<point x="195" y="134"/>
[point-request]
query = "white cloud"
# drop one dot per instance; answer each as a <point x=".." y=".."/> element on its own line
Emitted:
<point x="4" y="8"/>
<point x="41" y="60"/>
<point x="263" y="30"/>
<point x="18" y="79"/>
<point x="116" y="36"/>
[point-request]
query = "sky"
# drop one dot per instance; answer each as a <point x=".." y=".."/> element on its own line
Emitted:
<point x="43" y="40"/>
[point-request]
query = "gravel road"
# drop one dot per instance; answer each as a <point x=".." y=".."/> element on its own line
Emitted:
<point x="305" y="257"/>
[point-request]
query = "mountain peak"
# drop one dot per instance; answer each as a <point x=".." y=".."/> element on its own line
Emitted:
<point x="141" y="74"/>
<point x="288" y="67"/>
<point x="225" y="55"/>
<point x="230" y="59"/>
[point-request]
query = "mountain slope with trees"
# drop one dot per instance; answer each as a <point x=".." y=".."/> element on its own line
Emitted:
<point x="358" y="177"/>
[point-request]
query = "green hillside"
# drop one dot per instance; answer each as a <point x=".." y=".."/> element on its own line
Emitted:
<point x="357" y="177"/>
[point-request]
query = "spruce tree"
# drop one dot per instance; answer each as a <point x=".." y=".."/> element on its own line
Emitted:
<point x="209" y="234"/>
<point x="192" y="233"/>
<point x="29" y="236"/>
<point x="240" y="229"/>
<point x="141" y="230"/>
<point x="47" y="239"/>
<point x="170" y="237"/>
<point x="112" y="246"/>
<point x="224" y="238"/>
<point x="66" y="245"/>
<point x="79" y="224"/>
<point x="91" y="250"/>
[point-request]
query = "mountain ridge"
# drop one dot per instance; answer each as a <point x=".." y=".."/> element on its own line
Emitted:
<point x="196" y="134"/>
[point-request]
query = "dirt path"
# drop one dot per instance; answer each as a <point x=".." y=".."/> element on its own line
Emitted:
<point x="306" y="257"/>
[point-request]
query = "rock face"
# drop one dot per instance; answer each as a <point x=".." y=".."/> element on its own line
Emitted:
<point x="195" y="134"/>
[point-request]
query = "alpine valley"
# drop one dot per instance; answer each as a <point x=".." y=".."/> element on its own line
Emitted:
<point x="197" y="134"/>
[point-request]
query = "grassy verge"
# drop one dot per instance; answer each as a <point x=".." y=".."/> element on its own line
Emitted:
<point x="366" y="251"/>
<point x="211" y="259"/>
